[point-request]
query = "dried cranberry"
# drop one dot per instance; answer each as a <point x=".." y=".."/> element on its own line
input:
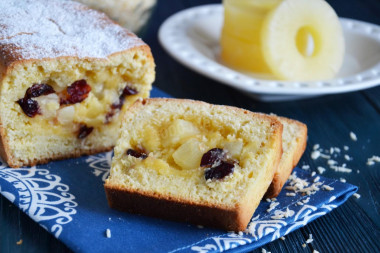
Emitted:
<point x="84" y="131"/>
<point x="213" y="156"/>
<point x="39" y="90"/>
<point x="219" y="172"/>
<point x="137" y="154"/>
<point x="119" y="104"/>
<point x="76" y="92"/>
<point x="129" y="91"/>
<point x="29" y="106"/>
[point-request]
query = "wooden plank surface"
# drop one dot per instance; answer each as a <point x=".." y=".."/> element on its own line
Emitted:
<point x="353" y="227"/>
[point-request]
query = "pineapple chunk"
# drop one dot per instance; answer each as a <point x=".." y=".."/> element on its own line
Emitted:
<point x="91" y="111"/>
<point x="234" y="148"/>
<point x="214" y="139"/>
<point x="65" y="115"/>
<point x="179" y="131"/>
<point x="188" y="155"/>
<point x="151" y="139"/>
<point x="49" y="104"/>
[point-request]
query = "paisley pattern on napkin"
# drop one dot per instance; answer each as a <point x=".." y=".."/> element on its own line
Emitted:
<point x="39" y="194"/>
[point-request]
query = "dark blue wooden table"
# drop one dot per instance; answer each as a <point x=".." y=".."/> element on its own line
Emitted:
<point x="353" y="227"/>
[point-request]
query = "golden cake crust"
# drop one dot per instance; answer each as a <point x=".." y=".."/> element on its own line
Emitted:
<point x="186" y="210"/>
<point x="287" y="164"/>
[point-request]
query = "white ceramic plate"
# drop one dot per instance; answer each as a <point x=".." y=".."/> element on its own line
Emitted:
<point x="192" y="38"/>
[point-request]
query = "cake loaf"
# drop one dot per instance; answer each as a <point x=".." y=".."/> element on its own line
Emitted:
<point x="67" y="73"/>
<point x="191" y="161"/>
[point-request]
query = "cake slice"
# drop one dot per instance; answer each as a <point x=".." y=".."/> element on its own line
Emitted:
<point x="191" y="161"/>
<point x="294" y="139"/>
<point x="66" y="75"/>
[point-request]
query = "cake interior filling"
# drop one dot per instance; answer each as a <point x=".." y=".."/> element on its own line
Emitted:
<point x="185" y="147"/>
<point x="80" y="106"/>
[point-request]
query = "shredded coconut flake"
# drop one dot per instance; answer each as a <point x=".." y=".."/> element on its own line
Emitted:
<point x="272" y="206"/>
<point x="341" y="169"/>
<point x="305" y="167"/>
<point x="346" y="148"/>
<point x="353" y="136"/>
<point x="372" y="160"/>
<point x="278" y="214"/>
<point x="282" y="238"/>
<point x="331" y="162"/>
<point x="315" y="154"/>
<point x="313" y="173"/>
<point x="316" y="146"/>
<point x="327" y="188"/>
<point x="108" y="233"/>
<point x="310" y="240"/>
<point x="321" y="169"/>
<point x="357" y="195"/>
<point x="290" y="194"/>
<point x="342" y="180"/>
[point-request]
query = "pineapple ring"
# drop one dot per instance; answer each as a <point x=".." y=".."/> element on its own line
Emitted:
<point x="285" y="35"/>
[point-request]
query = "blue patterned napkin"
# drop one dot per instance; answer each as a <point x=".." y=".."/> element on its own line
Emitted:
<point x="67" y="199"/>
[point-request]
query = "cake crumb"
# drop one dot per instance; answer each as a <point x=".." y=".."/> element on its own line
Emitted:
<point x="321" y="169"/>
<point x="19" y="242"/>
<point x="327" y="188"/>
<point x="353" y="136"/>
<point x="282" y="238"/>
<point x="108" y="233"/>
<point x="356" y="195"/>
<point x="304" y="245"/>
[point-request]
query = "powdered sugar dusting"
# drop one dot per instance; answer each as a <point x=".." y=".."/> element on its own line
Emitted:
<point x="39" y="29"/>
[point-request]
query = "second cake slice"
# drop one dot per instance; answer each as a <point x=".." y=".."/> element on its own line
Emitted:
<point x="191" y="161"/>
